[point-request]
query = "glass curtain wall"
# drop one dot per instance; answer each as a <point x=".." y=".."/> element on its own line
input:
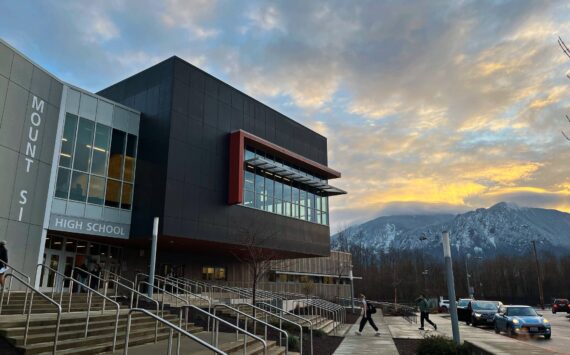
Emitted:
<point x="96" y="163"/>
<point x="272" y="193"/>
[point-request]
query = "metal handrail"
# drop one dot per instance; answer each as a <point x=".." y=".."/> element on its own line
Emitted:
<point x="172" y="328"/>
<point x="255" y="320"/>
<point x="90" y="275"/>
<point x="280" y="322"/>
<point x="30" y="287"/>
<point x="321" y="308"/>
<point x="118" y="277"/>
<point x="294" y="316"/>
<point x="163" y="293"/>
<point x="11" y="268"/>
<point x="216" y="329"/>
<point x="89" y="298"/>
<point x="133" y="291"/>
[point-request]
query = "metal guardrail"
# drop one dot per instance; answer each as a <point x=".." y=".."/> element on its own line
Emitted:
<point x="216" y="329"/>
<point x="304" y="320"/>
<point x="281" y="319"/>
<point x="172" y="327"/>
<point x="90" y="293"/>
<point x="29" y="314"/>
<point x="11" y="269"/>
<point x="256" y="321"/>
<point x="133" y="292"/>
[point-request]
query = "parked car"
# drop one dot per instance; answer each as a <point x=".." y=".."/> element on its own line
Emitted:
<point x="560" y="305"/>
<point x="516" y="320"/>
<point x="443" y="305"/>
<point x="463" y="314"/>
<point x="483" y="312"/>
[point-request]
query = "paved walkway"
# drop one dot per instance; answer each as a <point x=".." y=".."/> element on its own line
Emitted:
<point x="367" y="343"/>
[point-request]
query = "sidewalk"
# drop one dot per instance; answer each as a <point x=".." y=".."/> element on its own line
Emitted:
<point x="484" y="339"/>
<point x="367" y="343"/>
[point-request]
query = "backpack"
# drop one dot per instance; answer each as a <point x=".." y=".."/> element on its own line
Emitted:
<point x="371" y="308"/>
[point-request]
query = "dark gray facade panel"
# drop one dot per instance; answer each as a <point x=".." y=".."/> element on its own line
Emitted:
<point x="183" y="176"/>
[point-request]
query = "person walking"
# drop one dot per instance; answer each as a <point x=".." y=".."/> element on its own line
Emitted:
<point x="3" y="262"/>
<point x="423" y="305"/>
<point x="366" y="317"/>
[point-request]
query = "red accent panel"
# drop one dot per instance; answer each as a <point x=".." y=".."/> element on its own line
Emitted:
<point x="235" y="191"/>
<point x="289" y="156"/>
<point x="238" y="140"/>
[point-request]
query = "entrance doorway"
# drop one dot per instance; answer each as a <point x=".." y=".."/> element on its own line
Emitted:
<point x="60" y="260"/>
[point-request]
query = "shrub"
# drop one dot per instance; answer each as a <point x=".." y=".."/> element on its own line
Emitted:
<point x="441" y="345"/>
<point x="318" y="333"/>
<point x="294" y="344"/>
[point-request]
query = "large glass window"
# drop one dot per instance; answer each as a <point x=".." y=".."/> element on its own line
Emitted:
<point x="91" y="152"/>
<point x="278" y="194"/>
<point x="117" y="154"/>
<point x="82" y="155"/>
<point x="130" y="158"/>
<point x="62" y="185"/>
<point x="68" y="140"/>
<point x="127" y="196"/>
<point x="78" y="191"/>
<point x="100" y="149"/>
<point x="96" y="190"/>
<point x="113" y="193"/>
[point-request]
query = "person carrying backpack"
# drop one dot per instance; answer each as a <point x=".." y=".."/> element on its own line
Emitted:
<point x="367" y="310"/>
<point x="424" y="311"/>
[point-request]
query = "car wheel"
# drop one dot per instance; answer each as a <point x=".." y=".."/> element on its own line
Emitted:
<point x="510" y="331"/>
<point x="444" y="309"/>
<point x="553" y="312"/>
<point x="473" y="321"/>
<point x="497" y="330"/>
<point x="547" y="336"/>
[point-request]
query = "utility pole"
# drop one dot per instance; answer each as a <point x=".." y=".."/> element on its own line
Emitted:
<point x="539" y="275"/>
<point x="450" y="287"/>
<point x="153" y="256"/>
<point x="468" y="276"/>
<point x="351" y="276"/>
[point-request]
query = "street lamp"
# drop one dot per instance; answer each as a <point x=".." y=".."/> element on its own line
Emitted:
<point x="450" y="286"/>
<point x="538" y="273"/>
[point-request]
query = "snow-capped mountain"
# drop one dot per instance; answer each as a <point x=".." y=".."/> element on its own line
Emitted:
<point x="504" y="228"/>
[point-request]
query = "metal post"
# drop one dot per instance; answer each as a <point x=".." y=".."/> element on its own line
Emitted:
<point x="450" y="287"/>
<point x="539" y="278"/>
<point x="469" y="293"/>
<point x="153" y="256"/>
<point x="351" y="276"/>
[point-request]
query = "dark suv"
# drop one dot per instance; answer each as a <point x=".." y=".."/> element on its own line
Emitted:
<point x="560" y="305"/>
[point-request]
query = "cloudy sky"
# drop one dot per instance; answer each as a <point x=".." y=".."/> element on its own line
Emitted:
<point x="427" y="105"/>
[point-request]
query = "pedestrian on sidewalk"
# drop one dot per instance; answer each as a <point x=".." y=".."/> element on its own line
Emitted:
<point x="423" y="305"/>
<point x="366" y="313"/>
<point x="3" y="262"/>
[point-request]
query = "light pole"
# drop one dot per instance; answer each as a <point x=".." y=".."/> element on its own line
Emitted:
<point x="539" y="276"/>
<point x="153" y="256"/>
<point x="450" y="286"/>
<point x="351" y="276"/>
<point x="469" y="290"/>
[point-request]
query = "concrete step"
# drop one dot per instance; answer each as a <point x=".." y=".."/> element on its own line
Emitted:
<point x="94" y="323"/>
<point x="101" y="342"/>
<point x="10" y="321"/>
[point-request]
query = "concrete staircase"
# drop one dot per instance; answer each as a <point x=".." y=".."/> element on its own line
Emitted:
<point x="101" y="329"/>
<point x="319" y="323"/>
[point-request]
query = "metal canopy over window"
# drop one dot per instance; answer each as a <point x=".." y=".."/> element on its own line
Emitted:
<point x="291" y="174"/>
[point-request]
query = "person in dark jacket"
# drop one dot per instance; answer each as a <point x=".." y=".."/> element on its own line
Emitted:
<point x="366" y="317"/>
<point x="3" y="262"/>
<point x="423" y="305"/>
